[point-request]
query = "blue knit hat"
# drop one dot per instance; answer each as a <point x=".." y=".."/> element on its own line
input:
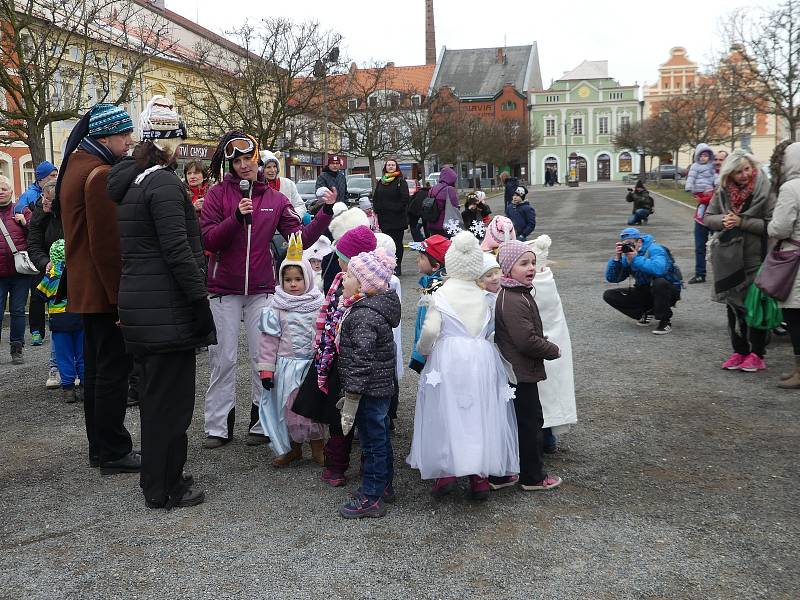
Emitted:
<point x="108" y="119"/>
<point x="44" y="168"/>
<point x="630" y="233"/>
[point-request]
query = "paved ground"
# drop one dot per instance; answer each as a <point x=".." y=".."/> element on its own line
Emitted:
<point x="679" y="479"/>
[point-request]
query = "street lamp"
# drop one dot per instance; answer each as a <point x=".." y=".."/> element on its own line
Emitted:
<point x="321" y="71"/>
<point x="566" y="153"/>
<point x="641" y="147"/>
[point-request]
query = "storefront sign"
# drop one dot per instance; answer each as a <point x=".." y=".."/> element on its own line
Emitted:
<point x="195" y="152"/>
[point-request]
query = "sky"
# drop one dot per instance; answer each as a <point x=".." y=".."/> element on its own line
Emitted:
<point x="634" y="37"/>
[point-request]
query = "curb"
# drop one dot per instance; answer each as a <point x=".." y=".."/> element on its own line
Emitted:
<point x="671" y="199"/>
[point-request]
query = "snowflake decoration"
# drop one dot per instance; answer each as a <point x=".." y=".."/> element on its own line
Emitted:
<point x="433" y="378"/>
<point x="478" y="229"/>
<point x="452" y="227"/>
<point x="508" y="393"/>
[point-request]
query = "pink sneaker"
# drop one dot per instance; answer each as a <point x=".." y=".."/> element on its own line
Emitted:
<point x="548" y="483"/>
<point x="753" y="363"/>
<point x="333" y="478"/>
<point x="734" y="362"/>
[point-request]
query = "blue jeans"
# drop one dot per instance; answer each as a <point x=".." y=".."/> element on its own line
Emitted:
<point x="639" y="215"/>
<point x="16" y="287"/>
<point x="372" y="420"/>
<point x="69" y="356"/>
<point x="701" y="233"/>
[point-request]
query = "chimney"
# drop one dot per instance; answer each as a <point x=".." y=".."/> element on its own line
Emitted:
<point x="430" y="34"/>
<point x="501" y="56"/>
<point x="390" y="64"/>
<point x="158" y="4"/>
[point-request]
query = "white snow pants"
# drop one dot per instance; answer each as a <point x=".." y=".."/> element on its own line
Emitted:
<point x="221" y="396"/>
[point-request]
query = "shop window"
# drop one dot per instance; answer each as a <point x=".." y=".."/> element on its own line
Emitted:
<point x="625" y="163"/>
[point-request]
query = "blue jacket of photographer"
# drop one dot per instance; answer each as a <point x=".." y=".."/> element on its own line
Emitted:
<point x="652" y="261"/>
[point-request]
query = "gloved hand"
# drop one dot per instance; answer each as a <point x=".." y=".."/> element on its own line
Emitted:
<point x="205" y="320"/>
<point x="267" y="383"/>
<point x="349" y="407"/>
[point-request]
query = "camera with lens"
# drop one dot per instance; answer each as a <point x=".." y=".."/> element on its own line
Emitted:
<point x="627" y="247"/>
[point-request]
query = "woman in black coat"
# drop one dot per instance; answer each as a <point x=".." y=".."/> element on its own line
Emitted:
<point x="390" y="202"/>
<point x="163" y="307"/>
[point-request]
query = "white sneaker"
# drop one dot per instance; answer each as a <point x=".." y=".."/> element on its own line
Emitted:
<point x="53" y="379"/>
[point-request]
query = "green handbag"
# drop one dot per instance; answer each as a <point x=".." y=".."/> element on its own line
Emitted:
<point x="763" y="312"/>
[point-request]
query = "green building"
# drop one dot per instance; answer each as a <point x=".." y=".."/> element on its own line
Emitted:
<point x="580" y="113"/>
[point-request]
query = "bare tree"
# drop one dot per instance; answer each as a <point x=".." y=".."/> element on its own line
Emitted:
<point x="509" y="141"/>
<point x="366" y="110"/>
<point x="62" y="57"/>
<point x="768" y="49"/>
<point x="265" y="85"/>
<point x="424" y="128"/>
<point x="701" y="113"/>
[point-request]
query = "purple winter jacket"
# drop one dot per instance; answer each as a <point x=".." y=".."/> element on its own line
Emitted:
<point x="226" y="239"/>
<point x="18" y="235"/>
<point x="443" y="191"/>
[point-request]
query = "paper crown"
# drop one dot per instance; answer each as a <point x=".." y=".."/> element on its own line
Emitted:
<point x="294" y="252"/>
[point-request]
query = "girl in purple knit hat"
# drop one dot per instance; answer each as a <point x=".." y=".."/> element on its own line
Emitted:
<point x="520" y="339"/>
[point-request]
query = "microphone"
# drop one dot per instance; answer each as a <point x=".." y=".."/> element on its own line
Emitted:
<point x="244" y="190"/>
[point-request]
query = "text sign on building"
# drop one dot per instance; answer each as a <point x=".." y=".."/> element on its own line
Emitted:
<point x="195" y="151"/>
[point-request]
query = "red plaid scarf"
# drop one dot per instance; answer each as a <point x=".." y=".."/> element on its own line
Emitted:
<point x="738" y="195"/>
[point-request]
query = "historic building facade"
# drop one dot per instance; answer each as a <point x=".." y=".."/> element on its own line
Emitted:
<point x="580" y="113"/>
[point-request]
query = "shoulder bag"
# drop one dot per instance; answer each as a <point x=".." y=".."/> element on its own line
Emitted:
<point x="779" y="270"/>
<point x="22" y="262"/>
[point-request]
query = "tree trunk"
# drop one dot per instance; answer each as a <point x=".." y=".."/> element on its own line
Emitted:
<point x="371" y="169"/>
<point x="36" y="143"/>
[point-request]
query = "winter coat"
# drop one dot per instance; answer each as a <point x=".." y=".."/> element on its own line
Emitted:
<point x="640" y="200"/>
<point x="286" y="186"/>
<point x="523" y="215"/>
<point x="333" y="181"/>
<point x="444" y="192"/>
<point x="163" y="268"/>
<point x="468" y="216"/>
<point x="519" y="334"/>
<point x="366" y="346"/>
<point x="18" y="234"/>
<point x="226" y="238"/>
<point x="651" y="261"/>
<point x="91" y="236"/>
<point x="28" y="198"/>
<point x="701" y="177"/>
<point x="415" y="205"/>
<point x="44" y="229"/>
<point x="390" y="203"/>
<point x="785" y="223"/>
<point x="756" y="214"/>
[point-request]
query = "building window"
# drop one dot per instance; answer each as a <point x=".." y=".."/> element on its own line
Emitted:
<point x="310" y="137"/>
<point x="416" y="100"/>
<point x="550" y="127"/>
<point x="28" y="174"/>
<point x="625" y="163"/>
<point x="508" y="105"/>
<point x="373" y="102"/>
<point x="602" y="126"/>
<point x="577" y="125"/>
<point x="615" y="96"/>
<point x="344" y="144"/>
<point x="352" y="104"/>
<point x="552" y="98"/>
<point x="624" y="121"/>
<point x="394" y="101"/>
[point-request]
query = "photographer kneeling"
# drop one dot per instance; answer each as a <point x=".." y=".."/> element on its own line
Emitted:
<point x="642" y="204"/>
<point x="657" y="284"/>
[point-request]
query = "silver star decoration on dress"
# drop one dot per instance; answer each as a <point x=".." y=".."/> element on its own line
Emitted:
<point x="508" y="393"/>
<point x="433" y="378"/>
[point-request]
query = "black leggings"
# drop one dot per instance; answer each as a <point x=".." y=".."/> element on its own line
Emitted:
<point x="792" y="318"/>
<point x="397" y="236"/>
<point x="745" y="339"/>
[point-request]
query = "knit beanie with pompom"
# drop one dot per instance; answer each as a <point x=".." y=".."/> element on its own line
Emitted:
<point x="510" y="253"/>
<point x="357" y="240"/>
<point x="373" y="270"/>
<point x="464" y="258"/>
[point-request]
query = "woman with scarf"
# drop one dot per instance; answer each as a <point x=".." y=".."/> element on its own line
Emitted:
<point x="272" y="169"/>
<point x="240" y="216"/>
<point x="196" y="179"/>
<point x="739" y="213"/>
<point x="390" y="202"/>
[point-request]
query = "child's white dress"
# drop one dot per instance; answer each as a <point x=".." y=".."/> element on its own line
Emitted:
<point x="465" y="422"/>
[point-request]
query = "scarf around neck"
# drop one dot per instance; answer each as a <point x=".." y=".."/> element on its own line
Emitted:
<point x="325" y="339"/>
<point x="738" y="195"/>
<point x="304" y="303"/>
<point x="510" y="282"/>
<point x="275" y="184"/>
<point x="92" y="146"/>
<point x="389" y="177"/>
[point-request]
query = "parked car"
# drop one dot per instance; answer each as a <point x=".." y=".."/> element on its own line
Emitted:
<point x="667" y="172"/>
<point x="433" y="178"/>
<point x="307" y="191"/>
<point x="356" y="186"/>
<point x="413" y="186"/>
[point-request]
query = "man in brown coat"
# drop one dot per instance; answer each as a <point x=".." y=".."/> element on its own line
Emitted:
<point x="91" y="237"/>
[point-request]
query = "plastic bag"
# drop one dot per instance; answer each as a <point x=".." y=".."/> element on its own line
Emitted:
<point x="763" y="312"/>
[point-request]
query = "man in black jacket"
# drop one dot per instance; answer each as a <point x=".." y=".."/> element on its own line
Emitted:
<point x="333" y="178"/>
<point x="509" y="184"/>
